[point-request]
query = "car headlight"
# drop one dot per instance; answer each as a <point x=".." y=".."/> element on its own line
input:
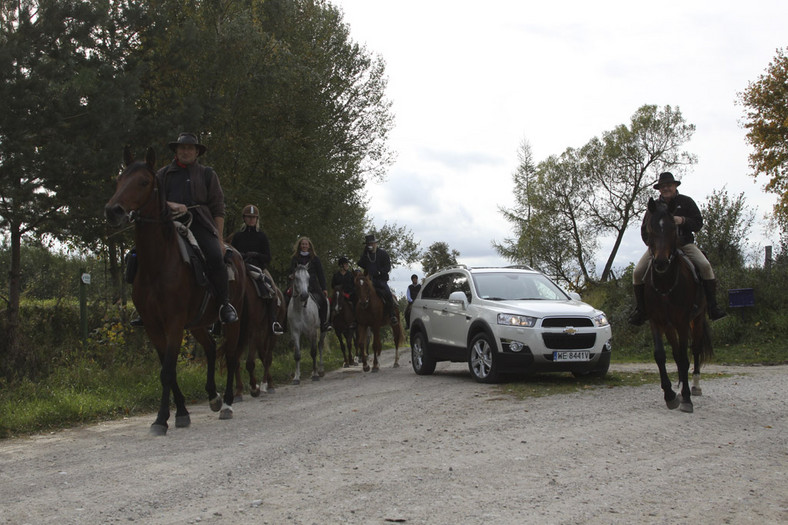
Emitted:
<point x="516" y="320"/>
<point x="600" y="321"/>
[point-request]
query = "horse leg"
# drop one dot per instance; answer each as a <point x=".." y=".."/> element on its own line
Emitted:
<point x="396" y="331"/>
<point x="209" y="345"/>
<point x="682" y="363"/>
<point x="320" y="346"/>
<point x="254" y="388"/>
<point x="671" y="400"/>
<point x="267" y="356"/>
<point x="167" y="379"/>
<point x="697" y="346"/>
<point x="362" y="346"/>
<point x="313" y="354"/>
<point x="297" y="356"/>
<point x="376" y="348"/>
<point x="230" y="347"/>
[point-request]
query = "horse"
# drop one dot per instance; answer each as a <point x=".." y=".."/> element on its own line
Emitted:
<point x="370" y="317"/>
<point x="676" y="307"/>
<point x="258" y="337"/>
<point x="166" y="292"/>
<point x="343" y="319"/>
<point x="303" y="319"/>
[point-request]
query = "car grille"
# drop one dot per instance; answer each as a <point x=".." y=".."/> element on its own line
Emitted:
<point x="569" y="342"/>
<point x="563" y="322"/>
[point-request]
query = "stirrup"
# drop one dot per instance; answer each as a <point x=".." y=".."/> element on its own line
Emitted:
<point x="277" y="328"/>
<point x="137" y="321"/>
<point x="227" y="313"/>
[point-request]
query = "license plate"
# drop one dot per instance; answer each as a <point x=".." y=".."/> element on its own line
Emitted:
<point x="575" y="355"/>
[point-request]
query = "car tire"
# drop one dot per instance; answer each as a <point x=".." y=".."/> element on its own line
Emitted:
<point x="482" y="360"/>
<point x="423" y="364"/>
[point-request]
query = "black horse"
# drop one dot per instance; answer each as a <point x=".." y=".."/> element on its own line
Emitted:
<point x="676" y="307"/>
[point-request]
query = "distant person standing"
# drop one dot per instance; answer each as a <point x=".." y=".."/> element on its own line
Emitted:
<point x="413" y="290"/>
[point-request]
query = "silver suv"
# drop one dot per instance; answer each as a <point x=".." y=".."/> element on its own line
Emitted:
<point x="506" y="320"/>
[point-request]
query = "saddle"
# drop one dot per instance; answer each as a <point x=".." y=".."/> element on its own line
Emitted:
<point x="263" y="283"/>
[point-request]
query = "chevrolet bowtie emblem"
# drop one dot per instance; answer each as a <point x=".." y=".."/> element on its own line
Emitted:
<point x="570" y="331"/>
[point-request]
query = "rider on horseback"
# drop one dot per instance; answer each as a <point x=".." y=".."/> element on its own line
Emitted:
<point x="188" y="185"/>
<point x="304" y="253"/>
<point x="688" y="220"/>
<point x="377" y="265"/>
<point x="256" y="250"/>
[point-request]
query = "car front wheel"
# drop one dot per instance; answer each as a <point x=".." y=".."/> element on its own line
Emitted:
<point x="481" y="360"/>
<point x="420" y="358"/>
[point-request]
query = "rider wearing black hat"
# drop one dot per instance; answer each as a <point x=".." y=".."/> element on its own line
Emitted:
<point x="190" y="186"/>
<point x="377" y="265"/>
<point x="688" y="220"/>
<point x="344" y="278"/>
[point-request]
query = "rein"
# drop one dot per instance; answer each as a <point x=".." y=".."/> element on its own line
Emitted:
<point x="671" y="267"/>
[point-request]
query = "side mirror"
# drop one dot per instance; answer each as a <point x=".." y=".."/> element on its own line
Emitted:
<point x="459" y="299"/>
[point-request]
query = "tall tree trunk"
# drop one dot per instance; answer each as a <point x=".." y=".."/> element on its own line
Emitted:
<point x="14" y="294"/>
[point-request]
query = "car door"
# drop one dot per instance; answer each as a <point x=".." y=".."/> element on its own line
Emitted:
<point x="456" y="319"/>
<point x="434" y="301"/>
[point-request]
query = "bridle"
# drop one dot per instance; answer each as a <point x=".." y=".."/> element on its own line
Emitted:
<point x="136" y="216"/>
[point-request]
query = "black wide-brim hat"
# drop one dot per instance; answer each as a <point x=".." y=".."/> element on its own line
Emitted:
<point x="188" y="138"/>
<point x="666" y="178"/>
<point x="370" y="239"/>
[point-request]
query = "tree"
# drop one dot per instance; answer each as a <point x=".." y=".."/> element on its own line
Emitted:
<point x="727" y="223"/>
<point x="438" y="256"/>
<point x="766" y="119"/>
<point x="567" y="203"/>
<point x="62" y="72"/>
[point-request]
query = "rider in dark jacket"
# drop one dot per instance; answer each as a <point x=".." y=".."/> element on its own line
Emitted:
<point x="254" y="246"/>
<point x="377" y="265"/>
<point x="304" y="253"/>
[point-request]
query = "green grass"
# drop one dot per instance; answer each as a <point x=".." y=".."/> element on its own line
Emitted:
<point x="83" y="391"/>
<point x="541" y="385"/>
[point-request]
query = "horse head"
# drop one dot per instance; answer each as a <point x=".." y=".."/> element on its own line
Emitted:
<point x="662" y="235"/>
<point x="136" y="187"/>
<point x="301" y="282"/>
<point x="364" y="290"/>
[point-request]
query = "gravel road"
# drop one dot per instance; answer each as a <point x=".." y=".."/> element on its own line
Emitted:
<point x="394" y="447"/>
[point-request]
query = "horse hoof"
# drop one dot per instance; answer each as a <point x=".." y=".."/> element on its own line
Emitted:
<point x="697" y="391"/>
<point x="226" y="413"/>
<point x="686" y="407"/>
<point x="366" y="368"/>
<point x="375" y="370"/>
<point x="296" y="382"/>
<point x="345" y="365"/>
<point x="396" y="365"/>
<point x="673" y="403"/>
<point x="158" y="430"/>
<point x="182" y="421"/>
<point x="322" y="373"/>
<point x="255" y="393"/>
<point x="216" y="403"/>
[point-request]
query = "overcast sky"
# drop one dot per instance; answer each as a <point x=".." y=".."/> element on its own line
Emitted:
<point x="469" y="81"/>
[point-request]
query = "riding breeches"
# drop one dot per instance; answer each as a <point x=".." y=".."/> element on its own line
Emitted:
<point x="212" y="248"/>
<point x="690" y="250"/>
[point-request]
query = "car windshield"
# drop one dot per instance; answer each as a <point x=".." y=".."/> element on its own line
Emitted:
<point x="511" y="286"/>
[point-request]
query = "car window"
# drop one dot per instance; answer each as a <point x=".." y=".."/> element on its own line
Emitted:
<point x="438" y="288"/>
<point x="516" y="286"/>
<point x="459" y="283"/>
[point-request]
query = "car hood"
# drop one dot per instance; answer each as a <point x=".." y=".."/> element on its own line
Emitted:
<point x="545" y="308"/>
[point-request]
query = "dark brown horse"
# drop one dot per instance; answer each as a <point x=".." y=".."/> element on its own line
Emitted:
<point x="258" y="336"/>
<point x="166" y="293"/>
<point x="343" y="319"/>
<point x="676" y="307"/>
<point x="370" y="317"/>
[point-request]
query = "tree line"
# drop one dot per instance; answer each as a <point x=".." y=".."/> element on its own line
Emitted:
<point x="293" y="111"/>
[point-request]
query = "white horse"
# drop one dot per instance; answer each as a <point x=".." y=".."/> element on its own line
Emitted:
<point x="303" y="319"/>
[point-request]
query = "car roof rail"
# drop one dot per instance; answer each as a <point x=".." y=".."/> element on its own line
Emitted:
<point x="521" y="267"/>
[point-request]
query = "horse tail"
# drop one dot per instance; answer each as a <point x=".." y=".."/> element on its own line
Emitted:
<point x="706" y="350"/>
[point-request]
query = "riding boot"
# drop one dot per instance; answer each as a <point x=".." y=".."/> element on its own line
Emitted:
<point x="638" y="316"/>
<point x="276" y="328"/>
<point x="227" y="313"/>
<point x="137" y="321"/>
<point x="322" y="309"/>
<point x="710" y="287"/>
